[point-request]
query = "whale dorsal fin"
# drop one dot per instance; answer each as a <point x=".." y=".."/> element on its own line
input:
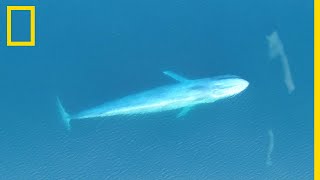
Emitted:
<point x="175" y="76"/>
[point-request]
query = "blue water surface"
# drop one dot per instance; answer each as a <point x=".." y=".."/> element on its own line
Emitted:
<point x="90" y="52"/>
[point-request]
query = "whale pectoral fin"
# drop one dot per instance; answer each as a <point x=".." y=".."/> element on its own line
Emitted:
<point x="184" y="111"/>
<point x="175" y="76"/>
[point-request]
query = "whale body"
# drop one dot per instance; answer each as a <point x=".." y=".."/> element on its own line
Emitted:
<point x="184" y="94"/>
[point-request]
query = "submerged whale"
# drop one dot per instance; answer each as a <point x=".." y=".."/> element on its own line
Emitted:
<point x="184" y="95"/>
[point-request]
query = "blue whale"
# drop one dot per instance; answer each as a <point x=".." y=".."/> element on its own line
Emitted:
<point x="184" y="95"/>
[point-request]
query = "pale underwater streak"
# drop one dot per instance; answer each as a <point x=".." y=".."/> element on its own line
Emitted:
<point x="185" y="94"/>
<point x="270" y="147"/>
<point x="276" y="50"/>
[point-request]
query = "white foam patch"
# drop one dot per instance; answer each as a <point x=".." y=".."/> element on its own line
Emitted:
<point x="276" y="50"/>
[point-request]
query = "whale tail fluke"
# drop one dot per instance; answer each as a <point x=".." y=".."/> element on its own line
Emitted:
<point x="64" y="115"/>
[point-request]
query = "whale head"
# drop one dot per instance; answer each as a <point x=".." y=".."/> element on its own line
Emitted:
<point x="226" y="86"/>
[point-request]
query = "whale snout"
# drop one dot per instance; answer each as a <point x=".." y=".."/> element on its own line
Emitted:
<point x="239" y="85"/>
<point x="242" y="84"/>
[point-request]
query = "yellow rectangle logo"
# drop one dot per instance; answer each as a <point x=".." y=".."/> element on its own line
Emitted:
<point x="32" y="26"/>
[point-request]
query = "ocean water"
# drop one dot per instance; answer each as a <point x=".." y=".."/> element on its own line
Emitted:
<point x="90" y="52"/>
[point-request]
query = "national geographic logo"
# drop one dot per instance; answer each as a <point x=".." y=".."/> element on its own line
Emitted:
<point x="32" y="10"/>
